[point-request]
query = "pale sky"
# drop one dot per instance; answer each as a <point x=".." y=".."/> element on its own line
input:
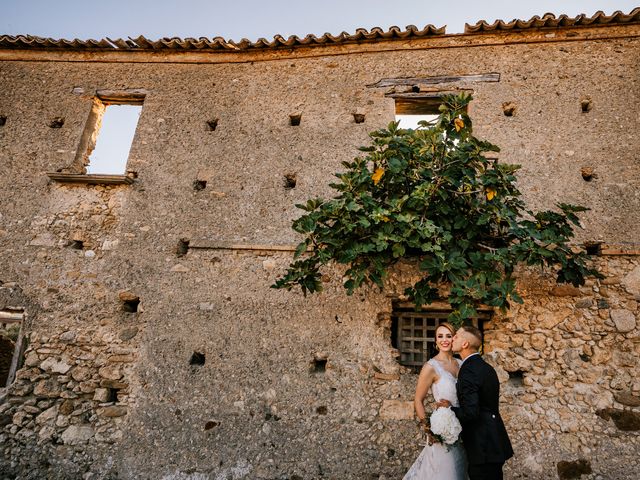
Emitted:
<point x="252" y="19"/>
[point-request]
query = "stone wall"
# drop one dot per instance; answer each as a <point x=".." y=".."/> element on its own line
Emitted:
<point x="215" y="375"/>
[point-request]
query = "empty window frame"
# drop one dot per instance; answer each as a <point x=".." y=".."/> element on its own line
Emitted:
<point x="411" y="110"/>
<point x="413" y="331"/>
<point x="11" y="344"/>
<point x="108" y="136"/>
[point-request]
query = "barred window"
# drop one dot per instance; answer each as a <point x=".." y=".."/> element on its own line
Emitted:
<point x="413" y="331"/>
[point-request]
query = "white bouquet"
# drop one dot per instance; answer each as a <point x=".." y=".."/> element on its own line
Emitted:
<point x="445" y="425"/>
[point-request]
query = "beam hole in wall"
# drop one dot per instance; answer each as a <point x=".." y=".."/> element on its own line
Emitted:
<point x="319" y="365"/>
<point x="295" y="119"/>
<point x="321" y="410"/>
<point x="12" y="344"/>
<point x="197" y="359"/>
<point x="130" y="305"/>
<point x="593" y="248"/>
<point x="358" y="117"/>
<point x="210" y="424"/>
<point x="112" y="394"/>
<point x="585" y="105"/>
<point x="588" y="174"/>
<point x="199" y="185"/>
<point x="509" y="109"/>
<point x="76" y="245"/>
<point x="516" y="378"/>
<point x="56" y="122"/>
<point x="290" y="181"/>
<point x="183" y="247"/>
<point x="3" y="120"/>
<point x="212" y="124"/>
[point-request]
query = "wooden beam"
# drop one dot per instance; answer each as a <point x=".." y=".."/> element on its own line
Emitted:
<point x="436" y="80"/>
<point x="94" y="179"/>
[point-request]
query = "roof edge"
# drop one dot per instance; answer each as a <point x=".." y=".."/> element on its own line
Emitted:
<point x="549" y="20"/>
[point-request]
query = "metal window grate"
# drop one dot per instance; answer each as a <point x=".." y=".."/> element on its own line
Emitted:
<point x="413" y="332"/>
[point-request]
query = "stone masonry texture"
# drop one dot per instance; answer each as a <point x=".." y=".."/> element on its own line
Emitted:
<point x="111" y="391"/>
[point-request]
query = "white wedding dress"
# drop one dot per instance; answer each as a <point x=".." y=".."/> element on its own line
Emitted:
<point x="438" y="461"/>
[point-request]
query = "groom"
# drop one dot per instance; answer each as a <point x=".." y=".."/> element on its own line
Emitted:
<point x="484" y="436"/>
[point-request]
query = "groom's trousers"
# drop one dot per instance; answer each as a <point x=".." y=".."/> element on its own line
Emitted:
<point x="486" y="471"/>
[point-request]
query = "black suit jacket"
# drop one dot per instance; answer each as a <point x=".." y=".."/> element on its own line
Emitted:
<point x="483" y="433"/>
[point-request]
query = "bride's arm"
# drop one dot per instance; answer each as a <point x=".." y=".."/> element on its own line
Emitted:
<point x="426" y="378"/>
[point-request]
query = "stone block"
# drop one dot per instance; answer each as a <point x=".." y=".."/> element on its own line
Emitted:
<point x="80" y="374"/>
<point x="127" y="296"/>
<point x="66" y="407"/>
<point x="627" y="398"/>
<point x="53" y="365"/>
<point x="47" y="388"/>
<point x="110" y="372"/>
<point x="113" y="411"/>
<point x="77" y="434"/>
<point x="101" y="395"/>
<point x="624" y="320"/>
<point x="128" y="333"/>
<point x="48" y="416"/>
<point x="386" y="377"/>
<point x="565" y="290"/>
<point x="396" y="410"/>
<point x="631" y="281"/>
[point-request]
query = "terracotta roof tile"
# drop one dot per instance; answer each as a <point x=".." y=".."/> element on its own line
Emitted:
<point x="549" y="20"/>
<point x="217" y="43"/>
<point x="361" y="35"/>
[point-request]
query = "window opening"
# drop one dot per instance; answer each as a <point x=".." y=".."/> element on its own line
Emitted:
<point x="114" y="131"/>
<point x="413" y="331"/>
<point x="410" y="111"/>
<point x="11" y="344"/>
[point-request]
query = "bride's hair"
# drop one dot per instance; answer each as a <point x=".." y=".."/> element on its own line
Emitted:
<point x="448" y="326"/>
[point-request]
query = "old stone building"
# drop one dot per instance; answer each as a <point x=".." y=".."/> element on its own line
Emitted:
<point x="146" y="340"/>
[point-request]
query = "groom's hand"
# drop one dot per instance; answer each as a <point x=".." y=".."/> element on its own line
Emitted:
<point x="443" y="403"/>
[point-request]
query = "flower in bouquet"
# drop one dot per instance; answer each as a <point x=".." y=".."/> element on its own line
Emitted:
<point x="445" y="425"/>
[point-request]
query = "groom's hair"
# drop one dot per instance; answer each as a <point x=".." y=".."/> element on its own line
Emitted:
<point x="475" y="336"/>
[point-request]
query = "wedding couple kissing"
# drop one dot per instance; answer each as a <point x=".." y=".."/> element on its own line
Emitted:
<point x="467" y="396"/>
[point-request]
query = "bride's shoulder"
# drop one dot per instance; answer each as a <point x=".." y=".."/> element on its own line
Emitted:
<point x="428" y="368"/>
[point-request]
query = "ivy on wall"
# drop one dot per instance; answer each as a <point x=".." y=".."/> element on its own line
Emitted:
<point x="432" y="196"/>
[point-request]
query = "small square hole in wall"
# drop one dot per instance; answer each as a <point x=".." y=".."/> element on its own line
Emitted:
<point x="593" y="248"/>
<point x="319" y="365"/>
<point x="3" y="120"/>
<point x="585" y="105"/>
<point x="130" y="305"/>
<point x="290" y="181"/>
<point x="56" y="122"/>
<point x="516" y="378"/>
<point x="199" y="185"/>
<point x="112" y="394"/>
<point x="183" y="247"/>
<point x="197" y="358"/>
<point x="212" y="124"/>
<point x="295" y="119"/>
<point x="358" y="117"/>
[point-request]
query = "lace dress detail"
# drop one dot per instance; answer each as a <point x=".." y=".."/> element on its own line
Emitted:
<point x="437" y="461"/>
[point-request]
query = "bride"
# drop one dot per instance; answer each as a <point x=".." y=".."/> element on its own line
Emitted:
<point x="438" y="461"/>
